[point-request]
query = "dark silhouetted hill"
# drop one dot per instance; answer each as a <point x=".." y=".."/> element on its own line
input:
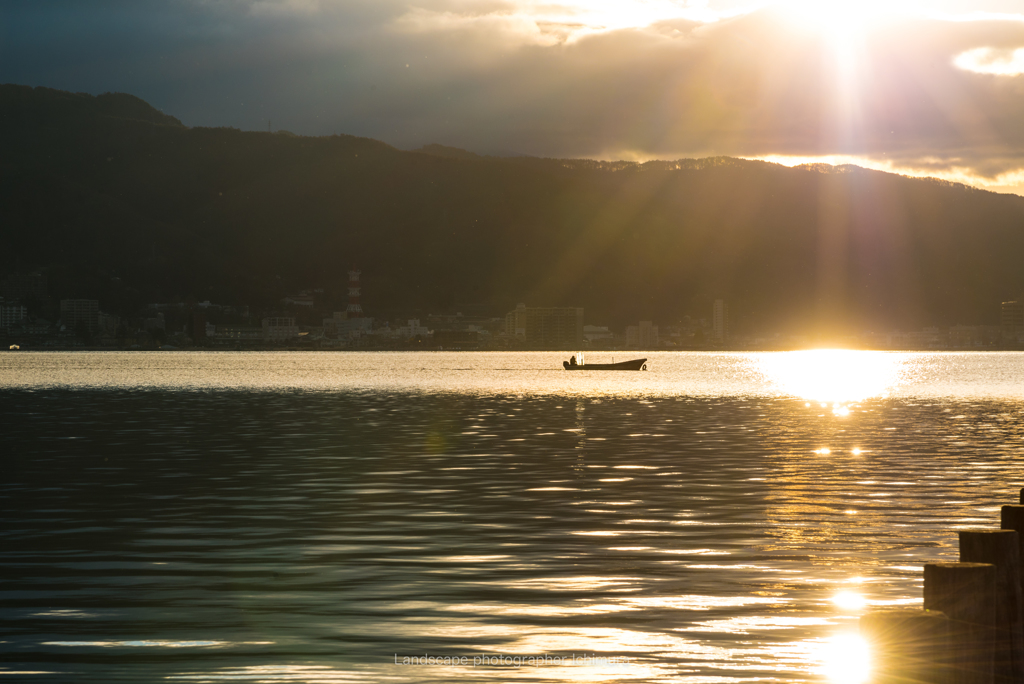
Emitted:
<point x="450" y="152"/>
<point x="107" y="189"/>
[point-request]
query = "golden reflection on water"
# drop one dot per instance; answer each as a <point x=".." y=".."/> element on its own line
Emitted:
<point x="834" y="380"/>
<point x="837" y="376"/>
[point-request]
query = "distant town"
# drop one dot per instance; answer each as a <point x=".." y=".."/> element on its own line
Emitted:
<point x="30" y="318"/>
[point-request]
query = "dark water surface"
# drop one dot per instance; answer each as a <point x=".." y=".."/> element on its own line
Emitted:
<point x="277" y="534"/>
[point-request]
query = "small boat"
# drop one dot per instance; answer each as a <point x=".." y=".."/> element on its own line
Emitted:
<point x="633" y="365"/>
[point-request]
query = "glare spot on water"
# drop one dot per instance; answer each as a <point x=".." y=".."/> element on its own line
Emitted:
<point x="832" y="375"/>
<point x="845" y="659"/>
<point x="569" y="583"/>
<point x="25" y="672"/>
<point x="748" y="624"/>
<point x="700" y="602"/>
<point x="156" y="643"/>
<point x="848" y="600"/>
<point x="274" y="673"/>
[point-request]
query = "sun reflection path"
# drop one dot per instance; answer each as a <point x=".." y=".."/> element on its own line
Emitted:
<point x="839" y="376"/>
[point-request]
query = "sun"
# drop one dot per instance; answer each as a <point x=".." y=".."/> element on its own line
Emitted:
<point x="845" y="20"/>
<point x="843" y="28"/>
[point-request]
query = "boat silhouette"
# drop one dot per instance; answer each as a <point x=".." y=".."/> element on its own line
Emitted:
<point x="577" y="362"/>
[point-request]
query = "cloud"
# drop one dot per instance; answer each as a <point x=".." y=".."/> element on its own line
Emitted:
<point x="509" y="28"/>
<point x="507" y="25"/>
<point x="916" y="93"/>
<point x="1007" y="176"/>
<point x="992" y="61"/>
<point x="553" y="23"/>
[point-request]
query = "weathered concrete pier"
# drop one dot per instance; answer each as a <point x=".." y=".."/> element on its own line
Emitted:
<point x="971" y="627"/>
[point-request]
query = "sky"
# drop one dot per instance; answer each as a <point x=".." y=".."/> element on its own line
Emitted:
<point x="919" y="87"/>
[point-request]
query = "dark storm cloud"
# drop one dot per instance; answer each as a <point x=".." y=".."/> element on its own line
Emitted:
<point x="209" y="62"/>
<point x="505" y="76"/>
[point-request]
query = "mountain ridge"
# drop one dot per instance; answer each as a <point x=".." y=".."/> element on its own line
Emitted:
<point x="107" y="188"/>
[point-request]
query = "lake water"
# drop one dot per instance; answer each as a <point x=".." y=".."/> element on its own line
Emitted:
<point x="321" y="517"/>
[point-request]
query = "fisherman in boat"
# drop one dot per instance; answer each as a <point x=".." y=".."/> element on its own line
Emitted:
<point x="572" y="360"/>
